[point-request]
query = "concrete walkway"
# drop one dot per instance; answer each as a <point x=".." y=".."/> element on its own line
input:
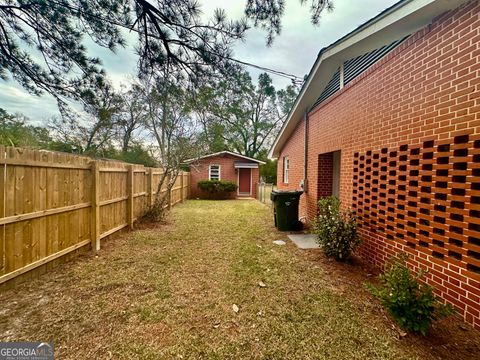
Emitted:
<point x="304" y="241"/>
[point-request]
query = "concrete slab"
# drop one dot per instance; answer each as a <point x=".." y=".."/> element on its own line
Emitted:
<point x="304" y="241"/>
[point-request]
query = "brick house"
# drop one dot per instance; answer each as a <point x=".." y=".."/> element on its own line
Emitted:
<point x="226" y="165"/>
<point x="389" y="121"/>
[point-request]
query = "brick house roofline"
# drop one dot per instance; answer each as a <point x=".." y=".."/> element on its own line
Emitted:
<point x="222" y="153"/>
<point x="402" y="19"/>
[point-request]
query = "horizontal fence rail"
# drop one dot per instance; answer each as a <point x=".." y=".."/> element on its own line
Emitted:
<point x="55" y="204"/>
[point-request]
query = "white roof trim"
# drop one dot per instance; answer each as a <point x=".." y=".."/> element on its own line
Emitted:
<point x="403" y="18"/>
<point x="224" y="152"/>
<point x="238" y="165"/>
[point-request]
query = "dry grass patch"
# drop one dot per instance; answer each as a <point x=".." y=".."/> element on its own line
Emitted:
<point x="167" y="292"/>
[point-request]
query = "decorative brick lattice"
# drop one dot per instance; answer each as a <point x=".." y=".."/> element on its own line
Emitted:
<point x="424" y="197"/>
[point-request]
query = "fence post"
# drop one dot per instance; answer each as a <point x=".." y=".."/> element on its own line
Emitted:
<point x="130" y="191"/>
<point x="181" y="187"/>
<point x="95" y="229"/>
<point x="150" y="187"/>
<point x="169" y="194"/>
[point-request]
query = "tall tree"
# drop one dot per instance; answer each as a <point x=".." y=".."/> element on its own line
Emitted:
<point x="244" y="115"/>
<point x="211" y="134"/>
<point x="42" y="41"/>
<point x="93" y="131"/>
<point x="132" y="116"/>
<point x="168" y="117"/>
<point x="16" y="131"/>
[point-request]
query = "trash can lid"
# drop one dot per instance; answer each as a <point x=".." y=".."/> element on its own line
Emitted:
<point x="287" y="192"/>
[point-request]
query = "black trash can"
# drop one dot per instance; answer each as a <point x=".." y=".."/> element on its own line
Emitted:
<point x="285" y="210"/>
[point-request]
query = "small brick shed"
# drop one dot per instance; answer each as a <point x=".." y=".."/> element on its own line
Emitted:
<point x="389" y="120"/>
<point x="226" y="165"/>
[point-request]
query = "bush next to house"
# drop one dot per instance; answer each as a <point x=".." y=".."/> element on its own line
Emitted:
<point x="336" y="230"/>
<point x="217" y="189"/>
<point x="411" y="303"/>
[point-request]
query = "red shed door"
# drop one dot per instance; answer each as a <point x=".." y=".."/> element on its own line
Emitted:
<point x="244" y="181"/>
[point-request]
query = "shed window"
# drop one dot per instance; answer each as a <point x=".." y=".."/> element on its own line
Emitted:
<point x="214" y="172"/>
<point x="286" y="167"/>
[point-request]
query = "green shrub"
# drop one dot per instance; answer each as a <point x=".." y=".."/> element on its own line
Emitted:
<point x="217" y="189"/>
<point x="336" y="230"/>
<point x="411" y="303"/>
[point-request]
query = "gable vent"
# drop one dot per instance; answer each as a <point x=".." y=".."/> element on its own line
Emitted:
<point x="354" y="67"/>
<point x="358" y="65"/>
<point x="332" y="87"/>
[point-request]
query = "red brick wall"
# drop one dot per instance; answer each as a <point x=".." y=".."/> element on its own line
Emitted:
<point x="325" y="175"/>
<point x="425" y="93"/>
<point x="294" y="149"/>
<point x="199" y="171"/>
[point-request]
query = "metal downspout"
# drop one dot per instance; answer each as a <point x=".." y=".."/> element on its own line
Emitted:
<point x="305" y="154"/>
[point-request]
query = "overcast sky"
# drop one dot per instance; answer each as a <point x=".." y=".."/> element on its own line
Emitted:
<point x="294" y="51"/>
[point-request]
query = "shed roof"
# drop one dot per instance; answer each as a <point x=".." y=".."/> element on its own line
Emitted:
<point x="402" y="19"/>
<point x="224" y="153"/>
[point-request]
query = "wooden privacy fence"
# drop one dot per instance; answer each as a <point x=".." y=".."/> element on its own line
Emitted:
<point x="52" y="205"/>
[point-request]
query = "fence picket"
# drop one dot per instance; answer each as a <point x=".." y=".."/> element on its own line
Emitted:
<point x="131" y="192"/>
<point x="53" y="205"/>
<point x="2" y="210"/>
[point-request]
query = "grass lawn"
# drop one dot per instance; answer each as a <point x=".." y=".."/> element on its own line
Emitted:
<point x="167" y="292"/>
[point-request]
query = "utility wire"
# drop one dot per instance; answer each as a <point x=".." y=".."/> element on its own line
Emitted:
<point x="295" y="79"/>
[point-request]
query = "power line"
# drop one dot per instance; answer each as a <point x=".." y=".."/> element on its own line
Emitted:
<point x="295" y="79"/>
